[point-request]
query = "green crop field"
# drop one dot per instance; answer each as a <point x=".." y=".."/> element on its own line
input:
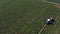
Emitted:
<point x="27" y="17"/>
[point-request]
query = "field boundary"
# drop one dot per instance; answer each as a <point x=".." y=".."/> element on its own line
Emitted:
<point x="55" y="4"/>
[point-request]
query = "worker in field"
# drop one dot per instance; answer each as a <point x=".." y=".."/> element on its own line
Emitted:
<point x="49" y="21"/>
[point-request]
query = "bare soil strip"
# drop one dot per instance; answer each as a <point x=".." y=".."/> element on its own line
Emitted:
<point x="58" y="6"/>
<point x="42" y="29"/>
<point x="55" y="4"/>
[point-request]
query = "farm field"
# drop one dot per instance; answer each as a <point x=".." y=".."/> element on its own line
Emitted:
<point x="56" y="1"/>
<point x="27" y="17"/>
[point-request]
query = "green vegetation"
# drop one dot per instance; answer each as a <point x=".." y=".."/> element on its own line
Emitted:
<point x="26" y="16"/>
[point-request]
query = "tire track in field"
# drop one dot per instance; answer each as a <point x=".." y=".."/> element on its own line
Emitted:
<point x="54" y="24"/>
<point x="55" y="4"/>
<point x="44" y="27"/>
<point x="56" y="31"/>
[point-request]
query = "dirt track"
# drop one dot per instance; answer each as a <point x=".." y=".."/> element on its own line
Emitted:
<point x="56" y="5"/>
<point x="42" y="29"/>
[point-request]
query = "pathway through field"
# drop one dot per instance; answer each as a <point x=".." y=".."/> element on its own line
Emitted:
<point x="44" y="27"/>
<point x="55" y="4"/>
